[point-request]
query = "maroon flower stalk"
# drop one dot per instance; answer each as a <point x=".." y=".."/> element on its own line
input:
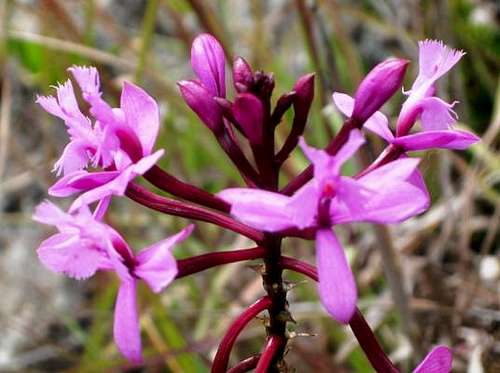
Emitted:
<point x="245" y="365"/>
<point x="273" y="345"/>
<point x="170" y="184"/>
<point x="195" y="264"/>
<point x="221" y="359"/>
<point x="153" y="201"/>
<point x="367" y="340"/>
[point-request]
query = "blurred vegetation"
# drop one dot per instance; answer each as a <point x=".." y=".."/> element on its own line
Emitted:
<point x="442" y="253"/>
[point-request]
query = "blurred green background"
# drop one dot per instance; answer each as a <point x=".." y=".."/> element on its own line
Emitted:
<point x="448" y="257"/>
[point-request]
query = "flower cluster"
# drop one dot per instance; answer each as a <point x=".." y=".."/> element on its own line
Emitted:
<point x="110" y="147"/>
<point x="119" y="142"/>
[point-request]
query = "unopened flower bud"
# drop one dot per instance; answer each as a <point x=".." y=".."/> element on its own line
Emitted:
<point x="377" y="87"/>
<point x="208" y="62"/>
<point x="304" y="95"/>
<point x="202" y="103"/>
<point x="242" y="75"/>
<point x="249" y="113"/>
<point x="263" y="85"/>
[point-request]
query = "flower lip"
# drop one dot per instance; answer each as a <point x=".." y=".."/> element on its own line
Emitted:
<point x="329" y="188"/>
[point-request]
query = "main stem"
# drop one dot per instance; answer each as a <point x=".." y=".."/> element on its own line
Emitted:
<point x="273" y="284"/>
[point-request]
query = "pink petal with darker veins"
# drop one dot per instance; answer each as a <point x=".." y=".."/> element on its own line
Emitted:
<point x="439" y="360"/>
<point x="79" y="181"/>
<point x="208" y="62"/>
<point x="445" y="139"/>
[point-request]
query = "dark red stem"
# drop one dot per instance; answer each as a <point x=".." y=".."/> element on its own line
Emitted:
<point x="170" y="184"/>
<point x="367" y="340"/>
<point x="239" y="159"/>
<point x="221" y="359"/>
<point x="245" y="365"/>
<point x="273" y="345"/>
<point x="147" y="198"/>
<point x="195" y="264"/>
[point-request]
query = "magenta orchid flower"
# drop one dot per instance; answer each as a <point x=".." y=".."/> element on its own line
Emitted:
<point x="120" y="141"/>
<point x="84" y="245"/>
<point x="381" y="196"/>
<point x="436" y="116"/>
<point x="208" y="63"/>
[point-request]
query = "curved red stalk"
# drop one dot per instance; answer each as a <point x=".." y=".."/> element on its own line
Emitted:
<point x="245" y="365"/>
<point x="194" y="264"/>
<point x="234" y="152"/>
<point x="172" y="207"/>
<point x="367" y="340"/>
<point x="170" y="184"/>
<point x="274" y="343"/>
<point x="224" y="351"/>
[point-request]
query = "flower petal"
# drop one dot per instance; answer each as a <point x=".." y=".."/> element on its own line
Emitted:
<point x="258" y="208"/>
<point x="303" y="205"/>
<point x="326" y="165"/>
<point x="337" y="287"/>
<point x="386" y="195"/>
<point x="156" y="264"/>
<point x="73" y="158"/>
<point x="67" y="253"/>
<point x="352" y="145"/>
<point x="436" y="114"/>
<point x="126" y="330"/>
<point x="395" y="171"/>
<point x="208" y="62"/>
<point x="79" y="181"/>
<point x="118" y="185"/>
<point x="248" y="112"/>
<point x="142" y="115"/>
<point x="445" y="139"/>
<point x="201" y="102"/>
<point x="377" y="123"/>
<point x="48" y="213"/>
<point x="439" y="360"/>
<point x="435" y="60"/>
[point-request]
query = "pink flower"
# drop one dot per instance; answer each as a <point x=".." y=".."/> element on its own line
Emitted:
<point x="389" y="194"/>
<point x="436" y="116"/>
<point x="120" y="140"/>
<point x="84" y="245"/>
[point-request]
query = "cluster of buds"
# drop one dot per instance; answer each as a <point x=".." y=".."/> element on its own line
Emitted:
<point x="111" y="147"/>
